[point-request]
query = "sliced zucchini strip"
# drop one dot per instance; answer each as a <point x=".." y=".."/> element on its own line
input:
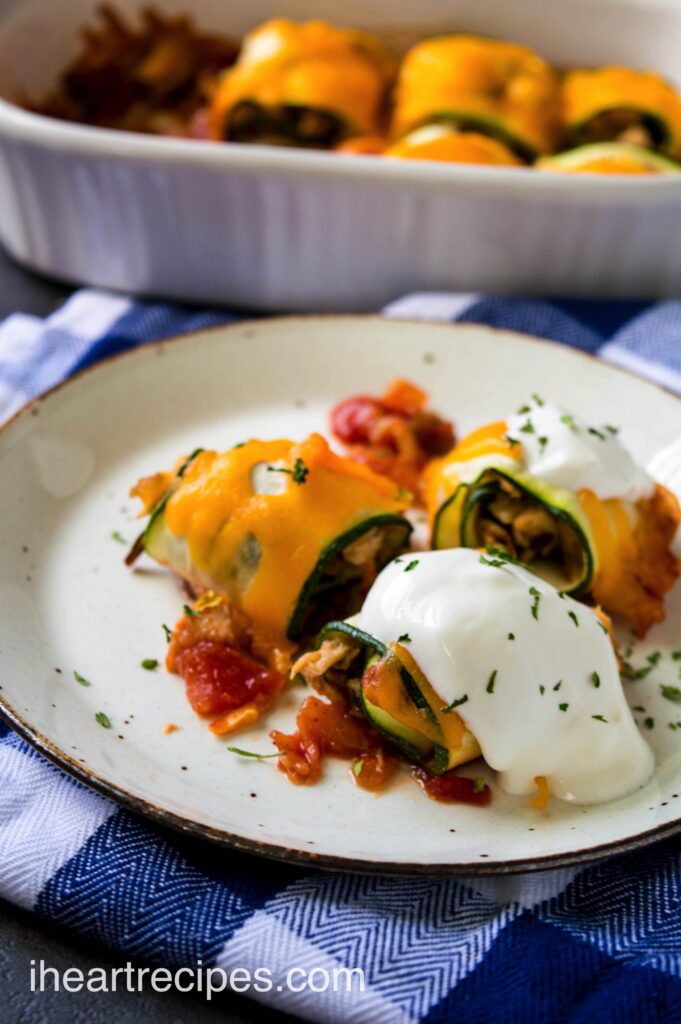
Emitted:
<point x="426" y="744"/>
<point x="610" y="158"/>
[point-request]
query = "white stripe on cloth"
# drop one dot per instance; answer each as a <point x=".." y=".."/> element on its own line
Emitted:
<point x="44" y="821"/>
<point x="415" y="939"/>
<point x="656" y="372"/>
<point x="444" y="306"/>
<point x="36" y="354"/>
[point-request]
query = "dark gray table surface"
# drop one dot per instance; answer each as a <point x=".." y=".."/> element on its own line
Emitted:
<point x="23" y="937"/>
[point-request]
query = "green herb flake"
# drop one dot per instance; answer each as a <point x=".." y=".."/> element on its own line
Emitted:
<point x="558" y="685"/>
<point x="511" y="440"/>
<point x="524" y="409"/>
<point x="251" y="753"/>
<point x="455" y="704"/>
<point x="597" y="433"/>
<point x="511" y="636"/>
<point x="103" y="720"/>
<point x="603" y="627"/>
<point x="168" y="631"/>
<point x="599" y="718"/>
<point x="357" y="768"/>
<point x="563" y="707"/>
<point x="298" y="474"/>
<point x="672" y="693"/>
<point x="543" y="441"/>
<point x="542" y="690"/>
<point x="649" y="723"/>
<point x="537" y="399"/>
<point x="118" y="537"/>
<point x="149" y="664"/>
<point x="639" y="707"/>
<point x="568" y="420"/>
<point x="611" y="430"/>
<point x="536" y="594"/>
<point x="527" y="427"/>
<point x="654" y="658"/>
<point x="629" y="672"/>
<point x="404" y="639"/>
<point x="595" y="679"/>
<point x="191" y="612"/>
<point x="478" y="785"/>
<point x="411" y="565"/>
<point x="491" y="682"/>
<point x="81" y="679"/>
<point x="562" y="594"/>
<point x="676" y="655"/>
<point x="573" y="616"/>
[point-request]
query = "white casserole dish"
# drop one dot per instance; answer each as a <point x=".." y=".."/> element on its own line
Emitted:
<point x="266" y="228"/>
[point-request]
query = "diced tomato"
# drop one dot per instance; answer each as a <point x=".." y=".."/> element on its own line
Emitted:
<point x="220" y="678"/>
<point x="354" y="420"/>
<point x="330" y="728"/>
<point x="374" y="770"/>
<point x="451" y="788"/>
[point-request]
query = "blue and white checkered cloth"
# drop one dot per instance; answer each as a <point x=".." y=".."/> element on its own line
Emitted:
<point x="586" y="946"/>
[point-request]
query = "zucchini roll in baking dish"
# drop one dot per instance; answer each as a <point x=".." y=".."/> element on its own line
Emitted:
<point x="308" y="84"/>
<point x="494" y="88"/>
<point x="291" y="534"/>
<point x="617" y="104"/>
<point x="609" y="158"/>
<point x="568" y="500"/>
<point x="455" y="654"/>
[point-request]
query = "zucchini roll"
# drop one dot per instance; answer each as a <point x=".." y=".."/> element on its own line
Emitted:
<point x="495" y="88"/>
<point x="393" y="694"/>
<point x="566" y="499"/>
<point x="457" y="654"/>
<point x="609" y="158"/>
<point x="447" y="145"/>
<point x="307" y="84"/>
<point x="291" y="534"/>
<point x="616" y="104"/>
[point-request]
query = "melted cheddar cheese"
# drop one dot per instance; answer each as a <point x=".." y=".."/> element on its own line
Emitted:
<point x="260" y="548"/>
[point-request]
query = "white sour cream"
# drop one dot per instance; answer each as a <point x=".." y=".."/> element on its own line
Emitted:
<point x="460" y="614"/>
<point x="566" y="452"/>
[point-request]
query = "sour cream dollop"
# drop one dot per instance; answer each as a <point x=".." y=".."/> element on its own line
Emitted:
<point x="544" y="696"/>
<point x="564" y="451"/>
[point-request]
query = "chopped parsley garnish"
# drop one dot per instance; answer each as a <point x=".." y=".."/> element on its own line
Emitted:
<point x="558" y="685"/>
<point x="672" y="693"/>
<point x="639" y="707"/>
<point x="298" y="474"/>
<point x="595" y="679"/>
<point x="404" y="639"/>
<point x="250" y="753"/>
<point x="629" y="672"/>
<point x="654" y="658"/>
<point x="357" y="768"/>
<point x="103" y="720"/>
<point x="676" y="655"/>
<point x="569" y="421"/>
<point x="543" y="441"/>
<point x="599" y="718"/>
<point x="527" y="427"/>
<point x="536" y="594"/>
<point x="511" y="440"/>
<point x="649" y="723"/>
<point x="511" y="636"/>
<point x="537" y="399"/>
<point x="611" y="429"/>
<point x="241" y="444"/>
<point x="149" y="664"/>
<point x="542" y="690"/>
<point x="563" y="707"/>
<point x="118" y="537"/>
<point x="455" y="704"/>
<point x="491" y="682"/>
<point x="573" y="616"/>
<point x="597" y="433"/>
<point x="504" y="555"/>
<point x="191" y="612"/>
<point x="479" y="785"/>
<point x="168" y="631"/>
<point x="523" y="409"/>
<point x="603" y="627"/>
<point x="411" y="565"/>
<point x="81" y="679"/>
<point x="496" y="563"/>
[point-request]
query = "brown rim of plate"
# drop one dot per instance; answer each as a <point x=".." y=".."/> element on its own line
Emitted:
<point x="270" y="850"/>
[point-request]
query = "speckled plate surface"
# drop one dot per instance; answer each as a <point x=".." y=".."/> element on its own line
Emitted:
<point x="68" y="604"/>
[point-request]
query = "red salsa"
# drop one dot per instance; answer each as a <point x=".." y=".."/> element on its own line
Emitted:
<point x="451" y="788"/>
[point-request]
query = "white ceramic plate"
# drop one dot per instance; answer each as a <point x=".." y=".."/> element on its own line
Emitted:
<point x="68" y="603"/>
